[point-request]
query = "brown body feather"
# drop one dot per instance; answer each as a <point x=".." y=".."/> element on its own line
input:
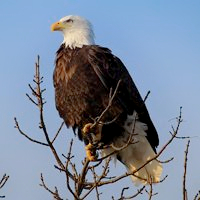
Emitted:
<point x="83" y="78"/>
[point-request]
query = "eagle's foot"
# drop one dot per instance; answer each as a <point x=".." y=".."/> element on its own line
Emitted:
<point x="87" y="128"/>
<point x="91" y="152"/>
<point x="92" y="133"/>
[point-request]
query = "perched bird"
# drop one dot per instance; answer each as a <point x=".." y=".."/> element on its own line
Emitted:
<point x="96" y="96"/>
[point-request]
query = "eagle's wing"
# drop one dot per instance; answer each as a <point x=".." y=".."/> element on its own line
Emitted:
<point x="110" y="70"/>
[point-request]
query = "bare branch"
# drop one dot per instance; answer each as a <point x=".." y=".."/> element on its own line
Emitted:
<point x="135" y="195"/>
<point x="197" y="196"/>
<point x="123" y="197"/>
<point x="185" y="197"/>
<point x="60" y="128"/>
<point x="37" y="92"/>
<point x="55" y="193"/>
<point x="69" y="157"/>
<point x="25" y="135"/>
<point x="98" y="180"/>
<point x="82" y="177"/>
<point x="122" y="193"/>
<point x="77" y="182"/>
<point x="147" y="95"/>
<point x="95" y="185"/>
<point x="112" y="96"/>
<point x="31" y="99"/>
<point x="3" y="181"/>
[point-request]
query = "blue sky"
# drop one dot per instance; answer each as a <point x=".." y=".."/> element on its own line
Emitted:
<point x="159" y="42"/>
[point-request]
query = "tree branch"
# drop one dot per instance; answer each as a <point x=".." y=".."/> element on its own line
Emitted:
<point x="3" y="181"/>
<point x="78" y="183"/>
<point x="185" y="197"/>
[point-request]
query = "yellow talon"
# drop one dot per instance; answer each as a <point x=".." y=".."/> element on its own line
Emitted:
<point x="91" y="152"/>
<point x="86" y="128"/>
<point x="94" y="131"/>
<point x="95" y="137"/>
<point x="89" y="147"/>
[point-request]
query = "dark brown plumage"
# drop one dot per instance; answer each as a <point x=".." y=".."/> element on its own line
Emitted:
<point x="83" y="78"/>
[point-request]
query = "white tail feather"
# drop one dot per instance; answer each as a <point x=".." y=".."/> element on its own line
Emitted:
<point x="136" y="154"/>
<point x="134" y="157"/>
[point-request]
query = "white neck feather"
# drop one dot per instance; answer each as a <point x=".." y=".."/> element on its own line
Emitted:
<point x="78" y="38"/>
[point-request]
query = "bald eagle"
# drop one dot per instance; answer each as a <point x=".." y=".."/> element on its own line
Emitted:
<point x="85" y="77"/>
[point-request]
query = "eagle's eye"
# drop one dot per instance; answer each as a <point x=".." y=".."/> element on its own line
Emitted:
<point x="69" y="21"/>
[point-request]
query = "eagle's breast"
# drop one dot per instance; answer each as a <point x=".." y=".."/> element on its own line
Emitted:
<point x="80" y="95"/>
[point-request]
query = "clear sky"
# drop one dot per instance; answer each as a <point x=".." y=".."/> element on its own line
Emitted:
<point x="159" y="42"/>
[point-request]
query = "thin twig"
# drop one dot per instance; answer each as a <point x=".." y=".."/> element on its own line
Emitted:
<point x="68" y="174"/>
<point x="54" y="194"/>
<point x="147" y="95"/>
<point x="166" y="161"/>
<point x="82" y="177"/>
<point x="150" y="190"/>
<point x="135" y="195"/>
<point x="60" y="128"/>
<point x="185" y="197"/>
<point x="197" y="196"/>
<point x="108" y="106"/>
<point x="139" y="191"/>
<point x="31" y="99"/>
<point x="25" y="135"/>
<point x="3" y="181"/>
<point x="123" y="190"/>
<point x="95" y="181"/>
<point x="96" y="184"/>
<point x="38" y="92"/>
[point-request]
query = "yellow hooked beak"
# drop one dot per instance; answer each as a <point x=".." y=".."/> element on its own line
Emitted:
<point x="57" y="26"/>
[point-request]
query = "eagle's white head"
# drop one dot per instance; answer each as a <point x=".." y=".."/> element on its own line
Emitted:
<point x="76" y="30"/>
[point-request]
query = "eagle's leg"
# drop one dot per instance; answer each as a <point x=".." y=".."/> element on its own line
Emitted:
<point x="93" y="134"/>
